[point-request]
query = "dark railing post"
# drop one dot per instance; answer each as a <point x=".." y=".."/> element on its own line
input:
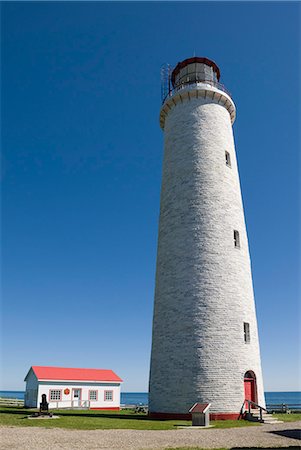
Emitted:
<point x="260" y="409"/>
<point x="249" y="406"/>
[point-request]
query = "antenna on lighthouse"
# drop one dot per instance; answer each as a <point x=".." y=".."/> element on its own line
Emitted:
<point x="165" y="80"/>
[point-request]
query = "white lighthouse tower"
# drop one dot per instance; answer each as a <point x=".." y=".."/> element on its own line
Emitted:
<point x="205" y="342"/>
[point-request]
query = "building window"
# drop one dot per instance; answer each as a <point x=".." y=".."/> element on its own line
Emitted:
<point x="228" y="159"/>
<point x="108" y="396"/>
<point x="55" y="395"/>
<point x="236" y="239"/>
<point x="246" y="332"/>
<point x="92" y="395"/>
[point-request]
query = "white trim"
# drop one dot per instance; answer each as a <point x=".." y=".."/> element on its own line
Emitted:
<point x="192" y="407"/>
<point x="207" y="407"/>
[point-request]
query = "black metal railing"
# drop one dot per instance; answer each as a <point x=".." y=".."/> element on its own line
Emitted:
<point x="195" y="83"/>
<point x="261" y="408"/>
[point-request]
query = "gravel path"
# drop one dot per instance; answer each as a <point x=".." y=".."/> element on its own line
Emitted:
<point x="277" y="435"/>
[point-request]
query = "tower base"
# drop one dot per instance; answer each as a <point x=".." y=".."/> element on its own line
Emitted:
<point x="179" y="416"/>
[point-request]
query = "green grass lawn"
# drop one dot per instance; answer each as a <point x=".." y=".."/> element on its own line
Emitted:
<point x="288" y="417"/>
<point x="93" y="420"/>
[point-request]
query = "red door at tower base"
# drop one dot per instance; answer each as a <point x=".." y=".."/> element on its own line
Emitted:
<point x="249" y="384"/>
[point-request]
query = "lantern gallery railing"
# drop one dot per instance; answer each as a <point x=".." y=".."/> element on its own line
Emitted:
<point x="197" y="85"/>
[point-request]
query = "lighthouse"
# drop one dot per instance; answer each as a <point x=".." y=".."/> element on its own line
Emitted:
<point x="205" y="345"/>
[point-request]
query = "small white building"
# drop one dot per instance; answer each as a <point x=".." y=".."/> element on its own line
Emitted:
<point x="72" y="388"/>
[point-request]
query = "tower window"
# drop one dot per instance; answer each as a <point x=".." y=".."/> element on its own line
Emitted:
<point x="246" y="332"/>
<point x="228" y="159"/>
<point x="236" y="239"/>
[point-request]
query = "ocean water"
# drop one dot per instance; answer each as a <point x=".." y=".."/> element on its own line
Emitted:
<point x="289" y="398"/>
<point x="136" y="398"/>
<point x="12" y="394"/>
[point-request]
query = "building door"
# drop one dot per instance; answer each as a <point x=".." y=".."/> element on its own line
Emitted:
<point x="250" y="388"/>
<point x="76" y="397"/>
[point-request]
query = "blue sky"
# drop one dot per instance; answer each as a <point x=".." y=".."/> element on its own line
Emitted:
<point x="82" y="159"/>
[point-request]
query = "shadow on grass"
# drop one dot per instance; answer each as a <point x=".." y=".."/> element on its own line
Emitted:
<point x="7" y="411"/>
<point x="293" y="434"/>
<point x="83" y="414"/>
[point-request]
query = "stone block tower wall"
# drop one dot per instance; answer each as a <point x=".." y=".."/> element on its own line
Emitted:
<point x="204" y="291"/>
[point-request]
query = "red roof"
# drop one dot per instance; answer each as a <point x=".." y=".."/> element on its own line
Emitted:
<point x="64" y="373"/>
<point x="199" y="407"/>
